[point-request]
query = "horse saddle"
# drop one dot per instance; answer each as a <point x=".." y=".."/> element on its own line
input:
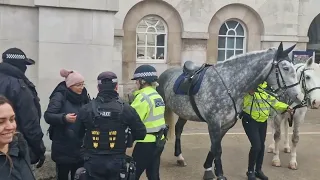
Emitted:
<point x="190" y="68"/>
<point x="190" y="79"/>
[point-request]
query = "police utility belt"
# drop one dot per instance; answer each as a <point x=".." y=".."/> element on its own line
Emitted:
<point x="160" y="142"/>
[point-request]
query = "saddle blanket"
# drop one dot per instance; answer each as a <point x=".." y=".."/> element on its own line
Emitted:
<point x="181" y="84"/>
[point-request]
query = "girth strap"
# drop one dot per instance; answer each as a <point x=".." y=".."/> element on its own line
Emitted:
<point x="191" y="97"/>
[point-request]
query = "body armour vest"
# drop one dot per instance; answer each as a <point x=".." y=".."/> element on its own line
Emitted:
<point x="107" y="132"/>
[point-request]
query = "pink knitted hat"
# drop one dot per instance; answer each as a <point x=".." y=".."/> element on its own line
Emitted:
<point x="71" y="77"/>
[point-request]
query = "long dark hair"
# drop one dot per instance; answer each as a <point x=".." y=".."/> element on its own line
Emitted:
<point x="4" y="100"/>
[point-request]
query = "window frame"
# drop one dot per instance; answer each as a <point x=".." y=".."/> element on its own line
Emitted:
<point x="236" y="36"/>
<point x="145" y="46"/>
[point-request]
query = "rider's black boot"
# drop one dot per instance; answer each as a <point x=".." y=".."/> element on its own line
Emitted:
<point x="251" y="175"/>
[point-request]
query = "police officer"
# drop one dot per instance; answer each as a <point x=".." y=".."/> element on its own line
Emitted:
<point x="105" y="121"/>
<point x="256" y="110"/>
<point x="150" y="107"/>
<point x="22" y="93"/>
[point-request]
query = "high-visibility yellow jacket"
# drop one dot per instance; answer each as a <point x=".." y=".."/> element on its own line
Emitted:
<point x="150" y="107"/>
<point x="259" y="104"/>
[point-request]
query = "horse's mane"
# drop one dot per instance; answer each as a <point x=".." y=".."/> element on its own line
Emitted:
<point x="246" y="56"/>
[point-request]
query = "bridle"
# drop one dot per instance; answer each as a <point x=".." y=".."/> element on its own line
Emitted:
<point x="275" y="65"/>
<point x="306" y="91"/>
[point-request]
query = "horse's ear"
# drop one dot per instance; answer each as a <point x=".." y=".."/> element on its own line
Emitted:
<point x="279" y="51"/>
<point x="310" y="61"/>
<point x="287" y="51"/>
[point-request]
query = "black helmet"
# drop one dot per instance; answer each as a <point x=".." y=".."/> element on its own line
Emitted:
<point x="145" y="72"/>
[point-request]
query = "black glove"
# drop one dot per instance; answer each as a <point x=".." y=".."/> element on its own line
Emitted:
<point x="41" y="161"/>
<point x="38" y="157"/>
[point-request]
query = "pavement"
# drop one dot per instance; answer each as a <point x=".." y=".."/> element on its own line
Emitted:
<point x="196" y="143"/>
<point x="235" y="147"/>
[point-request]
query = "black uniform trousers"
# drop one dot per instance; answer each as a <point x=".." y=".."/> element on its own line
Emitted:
<point x="64" y="169"/>
<point x="256" y="132"/>
<point x="147" y="157"/>
<point x="104" y="166"/>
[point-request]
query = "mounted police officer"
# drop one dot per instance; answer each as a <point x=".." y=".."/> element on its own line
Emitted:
<point x="22" y="93"/>
<point x="106" y="122"/>
<point x="150" y="107"/>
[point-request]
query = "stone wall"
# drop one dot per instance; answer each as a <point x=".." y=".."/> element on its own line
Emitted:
<point x="72" y="34"/>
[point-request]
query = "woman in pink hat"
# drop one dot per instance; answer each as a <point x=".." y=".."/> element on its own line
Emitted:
<point x="65" y="102"/>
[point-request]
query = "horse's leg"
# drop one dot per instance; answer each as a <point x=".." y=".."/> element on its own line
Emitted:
<point x="177" y="147"/>
<point x="298" y="118"/>
<point x="277" y="136"/>
<point x="208" y="174"/>
<point x="216" y="149"/>
<point x="286" y="136"/>
<point x="271" y="146"/>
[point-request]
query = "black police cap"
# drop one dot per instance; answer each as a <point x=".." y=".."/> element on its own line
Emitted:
<point x="107" y="77"/>
<point x="17" y="55"/>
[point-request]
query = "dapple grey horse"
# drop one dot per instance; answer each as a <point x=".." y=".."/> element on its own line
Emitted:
<point x="309" y="78"/>
<point x="221" y="94"/>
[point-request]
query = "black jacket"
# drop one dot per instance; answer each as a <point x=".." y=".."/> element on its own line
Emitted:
<point x="18" y="152"/>
<point x="66" y="147"/>
<point x="15" y="86"/>
<point x="129" y="117"/>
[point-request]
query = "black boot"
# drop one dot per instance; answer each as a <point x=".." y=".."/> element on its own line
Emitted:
<point x="260" y="175"/>
<point x="251" y="175"/>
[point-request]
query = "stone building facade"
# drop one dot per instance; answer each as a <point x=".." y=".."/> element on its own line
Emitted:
<point x="207" y="30"/>
<point x="119" y="35"/>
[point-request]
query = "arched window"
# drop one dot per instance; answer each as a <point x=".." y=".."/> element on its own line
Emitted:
<point x="232" y="40"/>
<point x="151" y="39"/>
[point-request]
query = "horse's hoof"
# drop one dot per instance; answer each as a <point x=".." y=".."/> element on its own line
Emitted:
<point x="271" y="149"/>
<point x="221" y="178"/>
<point x="287" y="150"/>
<point x="276" y="163"/>
<point x="181" y="163"/>
<point x="208" y="175"/>
<point x="293" y="165"/>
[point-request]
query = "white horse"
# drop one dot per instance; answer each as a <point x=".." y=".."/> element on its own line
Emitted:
<point x="309" y="78"/>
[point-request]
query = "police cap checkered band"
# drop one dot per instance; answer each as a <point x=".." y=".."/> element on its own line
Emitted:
<point x="15" y="56"/>
<point x="107" y="76"/>
<point x="144" y="74"/>
<point x="111" y="80"/>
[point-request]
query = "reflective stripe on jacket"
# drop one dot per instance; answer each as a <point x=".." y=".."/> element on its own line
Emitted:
<point x="258" y="105"/>
<point x="150" y="107"/>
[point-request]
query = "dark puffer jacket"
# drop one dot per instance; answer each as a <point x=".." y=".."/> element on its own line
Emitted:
<point x="24" y="97"/>
<point x="18" y="152"/>
<point x="66" y="146"/>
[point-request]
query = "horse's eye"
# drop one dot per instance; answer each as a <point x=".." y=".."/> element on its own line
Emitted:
<point x="307" y="77"/>
<point x="286" y="68"/>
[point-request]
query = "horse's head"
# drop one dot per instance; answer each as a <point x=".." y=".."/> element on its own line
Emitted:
<point x="283" y="76"/>
<point x="309" y="76"/>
